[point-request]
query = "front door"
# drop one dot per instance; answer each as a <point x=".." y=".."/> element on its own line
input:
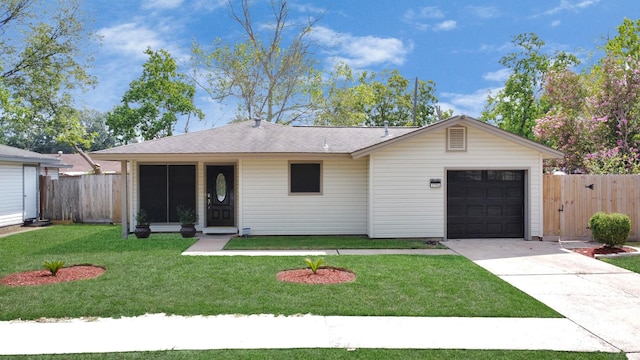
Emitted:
<point x="220" y="196"/>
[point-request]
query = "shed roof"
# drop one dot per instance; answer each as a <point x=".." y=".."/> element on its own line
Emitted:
<point x="13" y="154"/>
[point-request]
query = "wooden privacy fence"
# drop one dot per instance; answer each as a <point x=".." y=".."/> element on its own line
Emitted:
<point x="570" y="200"/>
<point x="87" y="198"/>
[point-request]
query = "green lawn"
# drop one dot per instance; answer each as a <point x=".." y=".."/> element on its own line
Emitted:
<point x="324" y="242"/>
<point x="339" y="354"/>
<point x="150" y="276"/>
<point x="629" y="262"/>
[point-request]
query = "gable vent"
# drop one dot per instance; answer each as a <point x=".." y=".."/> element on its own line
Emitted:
<point x="456" y="139"/>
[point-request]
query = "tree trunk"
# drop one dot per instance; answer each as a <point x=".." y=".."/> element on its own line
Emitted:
<point x="94" y="166"/>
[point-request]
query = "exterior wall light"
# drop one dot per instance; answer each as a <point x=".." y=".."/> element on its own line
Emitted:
<point x="435" y="183"/>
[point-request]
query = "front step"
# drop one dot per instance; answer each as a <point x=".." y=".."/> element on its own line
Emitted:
<point x="36" y="223"/>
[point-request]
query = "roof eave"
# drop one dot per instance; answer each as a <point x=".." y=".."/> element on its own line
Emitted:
<point x="31" y="160"/>
<point x="189" y="157"/>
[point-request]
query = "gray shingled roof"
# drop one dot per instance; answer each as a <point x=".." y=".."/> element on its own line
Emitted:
<point x="9" y="153"/>
<point x="245" y="137"/>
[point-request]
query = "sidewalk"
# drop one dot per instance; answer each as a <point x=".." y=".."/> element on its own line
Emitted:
<point x="160" y="332"/>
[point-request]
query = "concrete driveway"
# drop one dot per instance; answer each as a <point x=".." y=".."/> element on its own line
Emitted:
<point x="601" y="298"/>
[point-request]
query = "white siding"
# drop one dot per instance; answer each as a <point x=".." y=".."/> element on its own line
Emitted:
<point x="403" y="205"/>
<point x="268" y="208"/>
<point x="11" y="194"/>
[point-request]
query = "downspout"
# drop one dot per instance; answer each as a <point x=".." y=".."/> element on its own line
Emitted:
<point x="124" y="203"/>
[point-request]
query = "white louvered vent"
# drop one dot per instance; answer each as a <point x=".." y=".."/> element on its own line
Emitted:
<point x="456" y="139"/>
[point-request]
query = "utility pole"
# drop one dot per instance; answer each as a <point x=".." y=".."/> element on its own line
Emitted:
<point x="415" y="101"/>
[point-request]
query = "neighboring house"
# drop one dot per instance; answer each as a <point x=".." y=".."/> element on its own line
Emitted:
<point x="19" y="183"/>
<point x="80" y="166"/>
<point x="457" y="178"/>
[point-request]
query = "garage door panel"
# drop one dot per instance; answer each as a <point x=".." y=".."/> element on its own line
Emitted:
<point x="514" y="211"/>
<point x="495" y="210"/>
<point x="458" y="193"/>
<point x="473" y="210"/>
<point x="495" y="193"/>
<point x="475" y="193"/>
<point x="485" y="203"/>
<point x="494" y="228"/>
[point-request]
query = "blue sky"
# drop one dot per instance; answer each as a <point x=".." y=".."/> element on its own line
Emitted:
<point x="456" y="43"/>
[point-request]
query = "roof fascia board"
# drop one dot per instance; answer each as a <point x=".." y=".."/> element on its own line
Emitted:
<point x="215" y="156"/>
<point x="30" y="160"/>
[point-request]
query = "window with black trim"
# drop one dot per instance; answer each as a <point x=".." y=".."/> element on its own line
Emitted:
<point x="165" y="187"/>
<point x="305" y="178"/>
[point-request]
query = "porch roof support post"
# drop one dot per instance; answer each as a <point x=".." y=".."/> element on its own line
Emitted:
<point x="124" y="203"/>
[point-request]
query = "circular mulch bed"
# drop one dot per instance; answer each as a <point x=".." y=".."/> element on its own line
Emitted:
<point x="603" y="250"/>
<point x="41" y="277"/>
<point x="324" y="275"/>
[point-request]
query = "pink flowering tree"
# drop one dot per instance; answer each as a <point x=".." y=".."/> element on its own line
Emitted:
<point x="566" y="125"/>
<point x="615" y="107"/>
<point x="594" y="117"/>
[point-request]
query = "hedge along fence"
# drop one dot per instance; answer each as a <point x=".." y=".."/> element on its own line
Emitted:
<point x="86" y="198"/>
<point x="569" y="201"/>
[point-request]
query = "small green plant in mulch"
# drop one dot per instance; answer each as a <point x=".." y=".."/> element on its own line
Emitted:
<point x="53" y="266"/>
<point x="314" y="265"/>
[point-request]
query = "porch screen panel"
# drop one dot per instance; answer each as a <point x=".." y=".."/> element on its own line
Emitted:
<point x="182" y="189"/>
<point x="153" y="192"/>
<point x="164" y="187"/>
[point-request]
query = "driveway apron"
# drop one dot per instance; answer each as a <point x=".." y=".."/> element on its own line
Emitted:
<point x="601" y="298"/>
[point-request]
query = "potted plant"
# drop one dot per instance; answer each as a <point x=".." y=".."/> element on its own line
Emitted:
<point x="188" y="218"/>
<point x="142" y="225"/>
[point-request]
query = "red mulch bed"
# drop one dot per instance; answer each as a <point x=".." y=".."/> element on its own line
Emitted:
<point x="324" y="275"/>
<point x="41" y="277"/>
<point x="607" y="250"/>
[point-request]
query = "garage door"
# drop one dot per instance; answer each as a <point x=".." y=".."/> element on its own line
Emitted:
<point x="485" y="204"/>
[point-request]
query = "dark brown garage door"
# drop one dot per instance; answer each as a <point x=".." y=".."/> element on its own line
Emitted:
<point x="485" y="204"/>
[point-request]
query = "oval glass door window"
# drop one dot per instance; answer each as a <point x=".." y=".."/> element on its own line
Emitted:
<point x="221" y="187"/>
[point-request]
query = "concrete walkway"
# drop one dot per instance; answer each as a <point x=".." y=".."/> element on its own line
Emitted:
<point x="160" y="332"/>
<point x="601" y="303"/>
<point x="601" y="298"/>
<point x="213" y="245"/>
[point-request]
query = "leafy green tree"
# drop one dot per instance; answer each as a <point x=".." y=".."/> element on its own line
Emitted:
<point x="516" y="107"/>
<point x="41" y="67"/>
<point x="151" y="106"/>
<point x="95" y="122"/>
<point x="372" y="98"/>
<point x="270" y="74"/>
<point x="626" y="42"/>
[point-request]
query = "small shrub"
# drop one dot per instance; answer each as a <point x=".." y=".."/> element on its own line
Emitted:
<point x="187" y="215"/>
<point x="610" y="229"/>
<point x="141" y="217"/>
<point x="53" y="266"/>
<point x="314" y="265"/>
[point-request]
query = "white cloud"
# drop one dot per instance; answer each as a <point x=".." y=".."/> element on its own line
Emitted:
<point x="361" y="51"/>
<point x="161" y="4"/>
<point x="501" y="75"/>
<point x="467" y="104"/>
<point x="426" y="12"/>
<point x="422" y="19"/>
<point x="483" y="12"/>
<point x="445" y="25"/>
<point x="555" y="23"/>
<point x="567" y="5"/>
<point x="131" y="39"/>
